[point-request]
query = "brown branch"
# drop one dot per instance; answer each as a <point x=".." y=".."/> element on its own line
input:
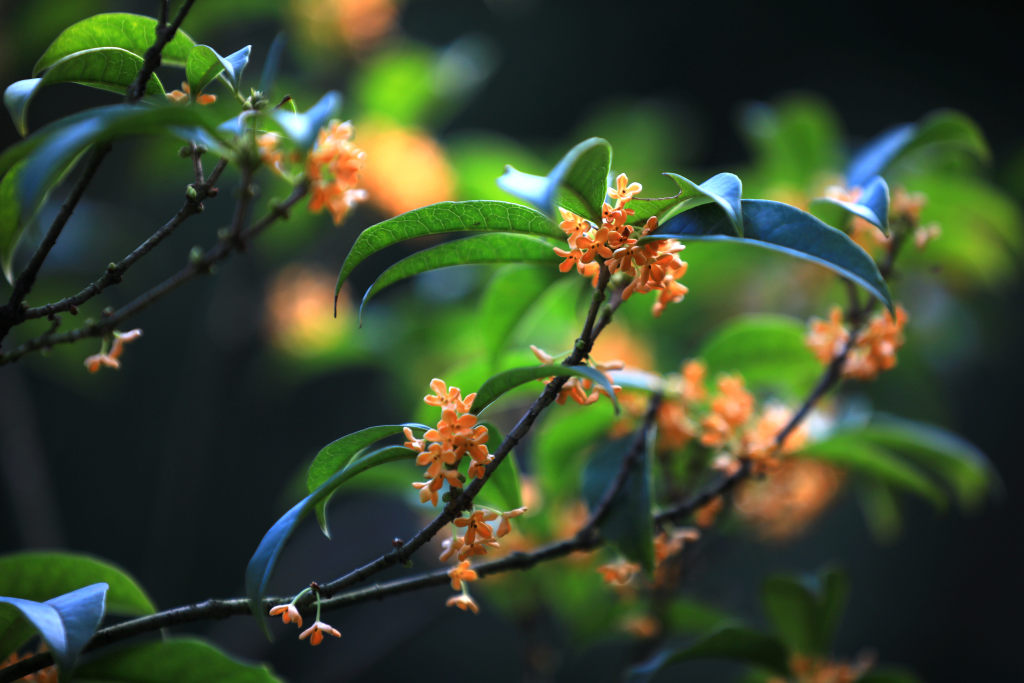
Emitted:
<point x="151" y="60"/>
<point x="197" y="266"/>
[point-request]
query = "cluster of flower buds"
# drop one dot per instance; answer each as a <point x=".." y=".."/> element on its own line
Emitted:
<point x="874" y="349"/>
<point x="111" y="359"/>
<point x="652" y="266"/>
<point x="442" y="449"/>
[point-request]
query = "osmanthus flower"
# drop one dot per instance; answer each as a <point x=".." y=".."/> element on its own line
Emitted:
<point x="504" y="527"/>
<point x="289" y="614"/>
<point x="706" y="514"/>
<point x="448" y="398"/>
<point x="783" y="504"/>
<point x="464" y="603"/>
<point x="925" y="234"/>
<point x="758" y="442"/>
<point x="874" y="349"/>
<point x="333" y="170"/>
<point x="461" y="572"/>
<point x="653" y="266"/>
<point x="476" y="524"/>
<point x="185" y="95"/>
<point x="316" y="632"/>
<point x="807" y="669"/>
<point x="111" y="359"/>
<point x="618" y="573"/>
<point x="45" y="675"/>
<point x="730" y="409"/>
<point x="666" y="545"/>
<point x="579" y="389"/>
<point x="692" y="385"/>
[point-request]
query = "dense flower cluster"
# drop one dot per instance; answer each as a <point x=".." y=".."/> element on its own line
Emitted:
<point x="332" y="167"/>
<point x="652" y="266"/>
<point x="111" y="359"/>
<point x="442" y="449"/>
<point x="874" y="349"/>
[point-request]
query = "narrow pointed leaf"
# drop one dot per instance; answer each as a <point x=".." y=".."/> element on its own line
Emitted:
<point x="724" y="189"/>
<point x="579" y="182"/>
<point x="505" y="381"/>
<point x="627" y="525"/>
<point x="960" y="464"/>
<point x="106" y="68"/>
<point x="512" y="292"/>
<point x="132" y="32"/>
<point x="174" y="660"/>
<point x="492" y="248"/>
<point x="446" y="217"/>
<point x="66" y="623"/>
<point x="785" y="229"/>
<point x="261" y="564"/>
<point x="872" y="206"/>
<point x="733" y="644"/>
<point x="339" y="454"/>
<point x="794" y="612"/>
<point x="205" y="64"/>
<point x="852" y="452"/>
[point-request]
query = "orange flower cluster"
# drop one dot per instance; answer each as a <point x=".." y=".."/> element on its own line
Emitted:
<point x="290" y="615"/>
<point x="185" y="94"/>
<point x="815" y="670"/>
<point x="333" y="169"/>
<point x="479" y="536"/>
<point x="652" y="266"/>
<point x="782" y="506"/>
<point x="579" y="389"/>
<point x="112" y="359"/>
<point x="874" y="349"/>
<point x="441" y="449"/>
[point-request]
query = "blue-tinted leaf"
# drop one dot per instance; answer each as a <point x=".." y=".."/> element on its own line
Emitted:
<point x="959" y="463"/>
<point x="786" y="229"/>
<point x="627" y="525"/>
<point x="303" y="128"/>
<point x="872" y="205"/>
<point x="502" y="490"/>
<point x="270" y="67"/>
<point x="638" y="380"/>
<point x="66" y="622"/>
<point x="503" y="382"/>
<point x="944" y="127"/>
<point x="491" y="248"/>
<point x="730" y="644"/>
<point x="340" y="453"/>
<point x="132" y="32"/>
<point x="234" y="65"/>
<point x="851" y="451"/>
<point x="261" y="564"/>
<point x="724" y="189"/>
<point x="472" y="216"/>
<point x="175" y="660"/>
<point x="105" y="68"/>
<point x="579" y="182"/>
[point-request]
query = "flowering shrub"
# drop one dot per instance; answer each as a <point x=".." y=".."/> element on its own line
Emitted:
<point x="616" y="487"/>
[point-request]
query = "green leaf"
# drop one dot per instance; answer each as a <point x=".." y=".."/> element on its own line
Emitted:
<point x="786" y="229"/>
<point x="889" y="675"/>
<point x="132" y="32"/>
<point x="944" y="127"/>
<point x="579" y="182"/>
<point x="502" y="489"/>
<point x="32" y="167"/>
<point x="488" y="248"/>
<point x="881" y="510"/>
<point x="261" y="564"/>
<point x="692" y="617"/>
<point x="472" y="216"/>
<point x="795" y="141"/>
<point x="106" y="68"/>
<point x="852" y="452"/>
<point x="960" y="464"/>
<point x="205" y="64"/>
<point x="175" y="660"/>
<point x="66" y="623"/>
<point x="731" y="644"/>
<point x="770" y="352"/>
<point x="627" y="525"/>
<point x="511" y="293"/>
<point x="340" y="453"/>
<point x="794" y="613"/>
<point x="505" y="381"/>
<point x="806" y="613"/>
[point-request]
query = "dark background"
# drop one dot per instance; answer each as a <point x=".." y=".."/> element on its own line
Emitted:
<point x="174" y="467"/>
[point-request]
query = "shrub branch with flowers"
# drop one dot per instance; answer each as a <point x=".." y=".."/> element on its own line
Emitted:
<point x="682" y="450"/>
